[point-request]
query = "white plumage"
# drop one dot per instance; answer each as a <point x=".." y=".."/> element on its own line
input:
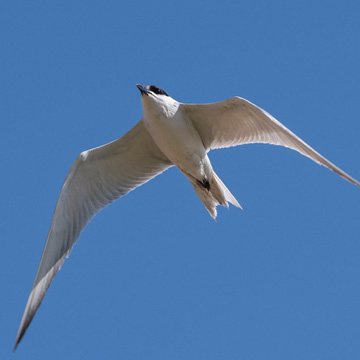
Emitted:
<point x="170" y="133"/>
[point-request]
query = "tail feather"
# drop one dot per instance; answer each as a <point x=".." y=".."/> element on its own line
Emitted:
<point x="217" y="194"/>
<point x="221" y="191"/>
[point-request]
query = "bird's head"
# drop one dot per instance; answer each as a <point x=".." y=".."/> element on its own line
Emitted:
<point x="151" y="90"/>
<point x="155" y="100"/>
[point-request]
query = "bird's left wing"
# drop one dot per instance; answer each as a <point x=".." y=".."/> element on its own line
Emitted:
<point x="97" y="178"/>
<point x="237" y="121"/>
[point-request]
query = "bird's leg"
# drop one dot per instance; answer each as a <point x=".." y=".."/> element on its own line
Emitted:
<point x="205" y="183"/>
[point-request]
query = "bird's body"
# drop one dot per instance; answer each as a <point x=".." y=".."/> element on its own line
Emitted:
<point x="169" y="133"/>
<point x="169" y="127"/>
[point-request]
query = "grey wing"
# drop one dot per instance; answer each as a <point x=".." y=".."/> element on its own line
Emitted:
<point x="237" y="121"/>
<point x="97" y="178"/>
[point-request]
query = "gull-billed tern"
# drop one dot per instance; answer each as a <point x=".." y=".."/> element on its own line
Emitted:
<point x="169" y="133"/>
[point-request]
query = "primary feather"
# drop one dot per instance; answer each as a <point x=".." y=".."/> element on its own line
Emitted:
<point x="97" y="178"/>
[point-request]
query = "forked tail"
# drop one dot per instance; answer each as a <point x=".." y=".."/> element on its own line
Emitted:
<point x="217" y="194"/>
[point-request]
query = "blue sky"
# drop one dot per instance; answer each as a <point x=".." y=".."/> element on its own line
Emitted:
<point x="153" y="276"/>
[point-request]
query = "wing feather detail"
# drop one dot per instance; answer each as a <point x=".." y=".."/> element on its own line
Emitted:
<point x="237" y="121"/>
<point x="97" y="177"/>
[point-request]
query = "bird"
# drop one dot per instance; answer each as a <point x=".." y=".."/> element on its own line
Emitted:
<point x="169" y="134"/>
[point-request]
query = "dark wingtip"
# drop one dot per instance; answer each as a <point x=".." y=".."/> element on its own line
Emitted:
<point x="16" y="344"/>
<point x="18" y="338"/>
<point x="22" y="329"/>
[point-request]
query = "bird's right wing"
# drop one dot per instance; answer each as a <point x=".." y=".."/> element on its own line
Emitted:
<point x="237" y="121"/>
<point x="97" y="178"/>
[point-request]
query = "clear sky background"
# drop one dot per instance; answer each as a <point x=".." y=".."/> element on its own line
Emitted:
<point x="153" y="276"/>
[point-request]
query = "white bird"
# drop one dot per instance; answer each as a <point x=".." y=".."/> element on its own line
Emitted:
<point x="169" y="133"/>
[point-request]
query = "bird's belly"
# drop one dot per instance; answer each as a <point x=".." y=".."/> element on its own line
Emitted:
<point x="182" y="144"/>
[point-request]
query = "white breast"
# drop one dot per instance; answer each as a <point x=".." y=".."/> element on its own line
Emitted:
<point x="175" y="135"/>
